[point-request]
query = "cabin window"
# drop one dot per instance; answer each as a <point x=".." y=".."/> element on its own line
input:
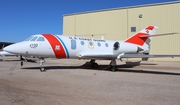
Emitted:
<point x="106" y="44"/>
<point x="33" y="39"/>
<point x="40" y="39"/>
<point x="82" y="42"/>
<point x="91" y="44"/>
<point x="99" y="44"/>
<point x="73" y="44"/>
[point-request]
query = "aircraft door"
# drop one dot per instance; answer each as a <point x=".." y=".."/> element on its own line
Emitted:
<point x="73" y="44"/>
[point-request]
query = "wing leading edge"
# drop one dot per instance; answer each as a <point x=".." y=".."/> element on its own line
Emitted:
<point x="117" y="56"/>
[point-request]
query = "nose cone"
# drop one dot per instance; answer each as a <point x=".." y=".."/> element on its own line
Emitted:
<point x="9" y="48"/>
<point x="14" y="48"/>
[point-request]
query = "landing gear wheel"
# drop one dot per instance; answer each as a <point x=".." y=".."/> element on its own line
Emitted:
<point x="112" y="65"/>
<point x="42" y="69"/>
<point x="95" y="65"/>
<point x="21" y="58"/>
<point x="21" y="63"/>
<point x="113" y="68"/>
<point x="41" y="64"/>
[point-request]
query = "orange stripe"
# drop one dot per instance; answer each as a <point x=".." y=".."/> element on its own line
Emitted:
<point x="55" y="43"/>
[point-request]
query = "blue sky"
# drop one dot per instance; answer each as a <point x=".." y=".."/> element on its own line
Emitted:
<point x="20" y="19"/>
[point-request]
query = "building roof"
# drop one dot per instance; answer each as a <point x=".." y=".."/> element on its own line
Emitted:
<point x="163" y="3"/>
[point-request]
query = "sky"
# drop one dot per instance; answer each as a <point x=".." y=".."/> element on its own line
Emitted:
<point x="20" y="19"/>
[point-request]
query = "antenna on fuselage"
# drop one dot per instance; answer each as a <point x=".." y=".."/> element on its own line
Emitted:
<point x="102" y="37"/>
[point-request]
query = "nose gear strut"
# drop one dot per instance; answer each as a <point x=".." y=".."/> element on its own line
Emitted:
<point x="41" y="64"/>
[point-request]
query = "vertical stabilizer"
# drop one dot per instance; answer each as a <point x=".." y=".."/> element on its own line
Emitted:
<point x="138" y="40"/>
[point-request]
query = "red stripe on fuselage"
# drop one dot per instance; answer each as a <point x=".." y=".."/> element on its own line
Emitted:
<point x="55" y="44"/>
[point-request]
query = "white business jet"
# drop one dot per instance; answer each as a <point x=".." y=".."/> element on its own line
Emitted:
<point x="72" y="47"/>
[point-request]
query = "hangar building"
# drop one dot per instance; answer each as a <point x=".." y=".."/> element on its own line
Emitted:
<point x="121" y="23"/>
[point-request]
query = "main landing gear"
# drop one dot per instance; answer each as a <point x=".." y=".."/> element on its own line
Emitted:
<point x="41" y="64"/>
<point x="94" y="64"/>
<point x="112" y="65"/>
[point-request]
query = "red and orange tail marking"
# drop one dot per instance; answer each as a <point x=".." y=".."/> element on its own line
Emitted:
<point x="137" y="39"/>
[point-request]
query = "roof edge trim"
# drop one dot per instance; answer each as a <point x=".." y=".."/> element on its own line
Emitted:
<point x="110" y="9"/>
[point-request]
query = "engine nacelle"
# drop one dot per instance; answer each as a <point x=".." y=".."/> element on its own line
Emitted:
<point x="121" y="47"/>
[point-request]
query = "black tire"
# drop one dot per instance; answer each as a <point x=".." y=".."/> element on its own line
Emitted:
<point x="21" y="63"/>
<point x="114" y="68"/>
<point x="95" y="65"/>
<point x="42" y="69"/>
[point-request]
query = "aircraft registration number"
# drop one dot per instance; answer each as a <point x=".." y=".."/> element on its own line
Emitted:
<point x="33" y="45"/>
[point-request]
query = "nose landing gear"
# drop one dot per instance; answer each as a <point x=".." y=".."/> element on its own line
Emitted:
<point x="21" y="58"/>
<point x="42" y="69"/>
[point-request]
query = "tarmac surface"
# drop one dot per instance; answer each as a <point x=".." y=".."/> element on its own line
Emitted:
<point x="74" y="82"/>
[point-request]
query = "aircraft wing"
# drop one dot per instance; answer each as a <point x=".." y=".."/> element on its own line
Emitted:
<point x="4" y="53"/>
<point x="117" y="56"/>
<point x="96" y="56"/>
<point x="148" y="56"/>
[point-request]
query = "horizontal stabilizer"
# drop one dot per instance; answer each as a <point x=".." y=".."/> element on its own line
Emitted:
<point x="144" y="36"/>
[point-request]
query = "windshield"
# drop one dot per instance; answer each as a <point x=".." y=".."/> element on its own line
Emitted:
<point x="35" y="38"/>
<point x="28" y="39"/>
<point x="40" y="39"/>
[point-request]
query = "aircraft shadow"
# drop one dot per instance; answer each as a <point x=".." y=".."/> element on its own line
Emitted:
<point x="121" y="68"/>
<point x="148" y="72"/>
<point x="8" y="60"/>
<point x="28" y="60"/>
<point x="84" y="66"/>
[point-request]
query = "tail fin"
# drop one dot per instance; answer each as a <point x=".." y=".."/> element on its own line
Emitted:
<point x="142" y="36"/>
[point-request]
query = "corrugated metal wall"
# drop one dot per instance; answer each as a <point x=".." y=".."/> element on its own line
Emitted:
<point x="116" y="24"/>
<point x="110" y="24"/>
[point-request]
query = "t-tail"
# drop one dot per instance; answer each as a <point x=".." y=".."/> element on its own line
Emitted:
<point x="142" y="38"/>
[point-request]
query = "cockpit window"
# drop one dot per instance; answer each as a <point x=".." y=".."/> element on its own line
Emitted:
<point x="28" y="39"/>
<point x="33" y="39"/>
<point x="40" y="39"/>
